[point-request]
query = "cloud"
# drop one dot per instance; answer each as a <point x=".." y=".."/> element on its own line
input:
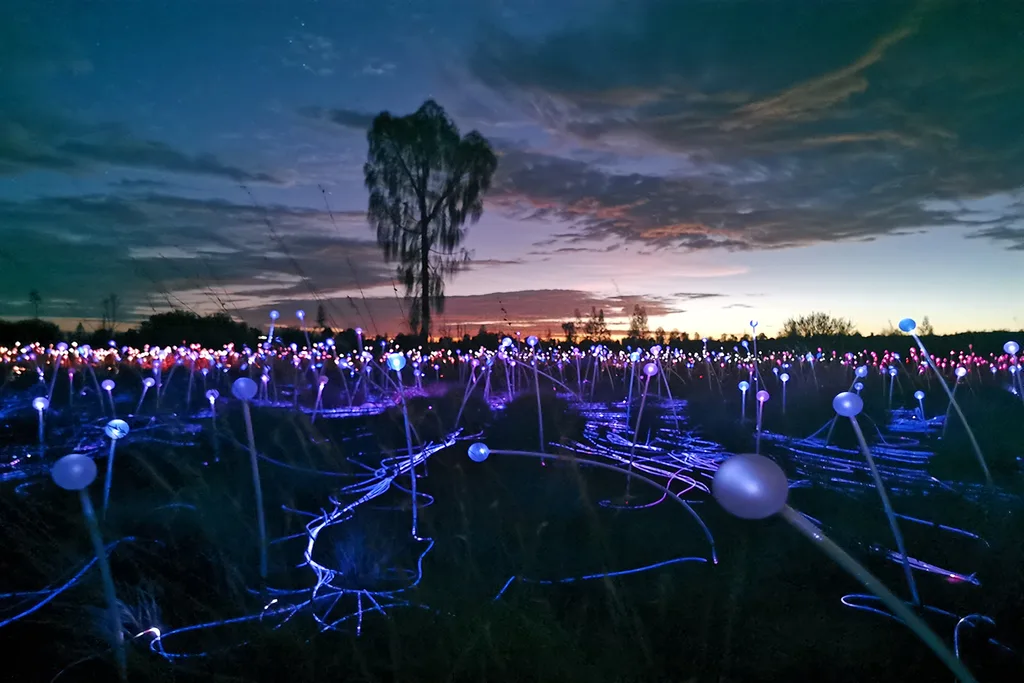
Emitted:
<point x="49" y="143"/>
<point x="707" y="126"/>
<point x="347" y="118"/>
<point x="197" y="253"/>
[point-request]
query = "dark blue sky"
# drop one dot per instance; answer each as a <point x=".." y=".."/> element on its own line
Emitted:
<point x="713" y="160"/>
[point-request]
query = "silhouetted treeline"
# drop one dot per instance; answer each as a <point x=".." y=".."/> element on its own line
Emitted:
<point x="217" y="330"/>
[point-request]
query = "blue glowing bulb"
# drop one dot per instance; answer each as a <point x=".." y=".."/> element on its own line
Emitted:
<point x="73" y="472"/>
<point x="532" y="341"/>
<point x="40" y="403"/>
<point x="274" y="315"/>
<point x="650" y="369"/>
<point x="116" y="430"/>
<point x="961" y="372"/>
<point x="300" y="314"/>
<point x="396" y="361"/>
<point x="861" y="371"/>
<point x="108" y="385"/>
<point x="212" y="395"/>
<point x="634" y="357"/>
<point x="506" y="342"/>
<point x="753" y="323"/>
<point x="244" y="389"/>
<point x="919" y="395"/>
<point x="784" y="377"/>
<point x="848" y="404"/>
<point x="478" y="452"/>
<point x="908" y="325"/>
<point x="859" y="386"/>
<point x="656" y="349"/>
<point x="750" y="486"/>
<point x="744" y="386"/>
<point x="149" y="382"/>
<point x="745" y="344"/>
<point x="1011" y="347"/>
<point x="893" y="371"/>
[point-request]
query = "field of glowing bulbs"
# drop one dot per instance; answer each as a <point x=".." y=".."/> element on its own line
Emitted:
<point x="535" y="511"/>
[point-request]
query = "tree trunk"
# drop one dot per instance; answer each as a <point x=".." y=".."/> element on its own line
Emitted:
<point x="425" y="280"/>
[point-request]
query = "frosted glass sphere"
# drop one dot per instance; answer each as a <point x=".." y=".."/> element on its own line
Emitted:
<point x="116" y="429"/>
<point x="478" y="452"/>
<point x="244" y="389"/>
<point x="848" y="404"/>
<point x="750" y="486"/>
<point x="73" y="472"/>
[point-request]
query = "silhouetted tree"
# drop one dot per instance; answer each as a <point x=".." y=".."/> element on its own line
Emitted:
<point x="818" y="324"/>
<point x="659" y="336"/>
<point x="35" y="300"/>
<point x="638" y="323"/>
<point x="569" y="328"/>
<point x="925" y="329"/>
<point x="425" y="182"/>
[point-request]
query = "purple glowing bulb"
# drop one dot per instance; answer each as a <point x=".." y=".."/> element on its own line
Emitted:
<point x="762" y="396"/>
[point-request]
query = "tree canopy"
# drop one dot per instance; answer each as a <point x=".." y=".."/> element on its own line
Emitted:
<point x="818" y="324"/>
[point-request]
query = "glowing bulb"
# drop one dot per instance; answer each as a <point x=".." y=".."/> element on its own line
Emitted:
<point x="274" y="315"/>
<point x="478" y="452"/>
<point x="919" y="395"/>
<point x="212" y="395"/>
<point x="762" y="396"/>
<point x="744" y="385"/>
<point x="532" y="341"/>
<point x="848" y="404"/>
<point x="116" y="429"/>
<point x="650" y="369"/>
<point x="908" y="325"/>
<point x="396" y="361"/>
<point x="108" y="385"/>
<point x="784" y="377"/>
<point x="300" y="314"/>
<point x="1011" y="347"/>
<point x="149" y="382"/>
<point x="40" y="403"/>
<point x="960" y="372"/>
<point x="861" y="371"/>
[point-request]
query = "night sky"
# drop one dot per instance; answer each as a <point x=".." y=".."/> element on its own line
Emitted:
<point x="715" y="161"/>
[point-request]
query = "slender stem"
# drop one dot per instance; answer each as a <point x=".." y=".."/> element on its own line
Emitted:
<point x="412" y="459"/>
<point x="113" y="611"/>
<point x="540" y="412"/>
<point x="956" y="407"/>
<point x="109" y="479"/>
<point x="890" y="515"/>
<point x="258" y="489"/>
<point x="897" y="606"/>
